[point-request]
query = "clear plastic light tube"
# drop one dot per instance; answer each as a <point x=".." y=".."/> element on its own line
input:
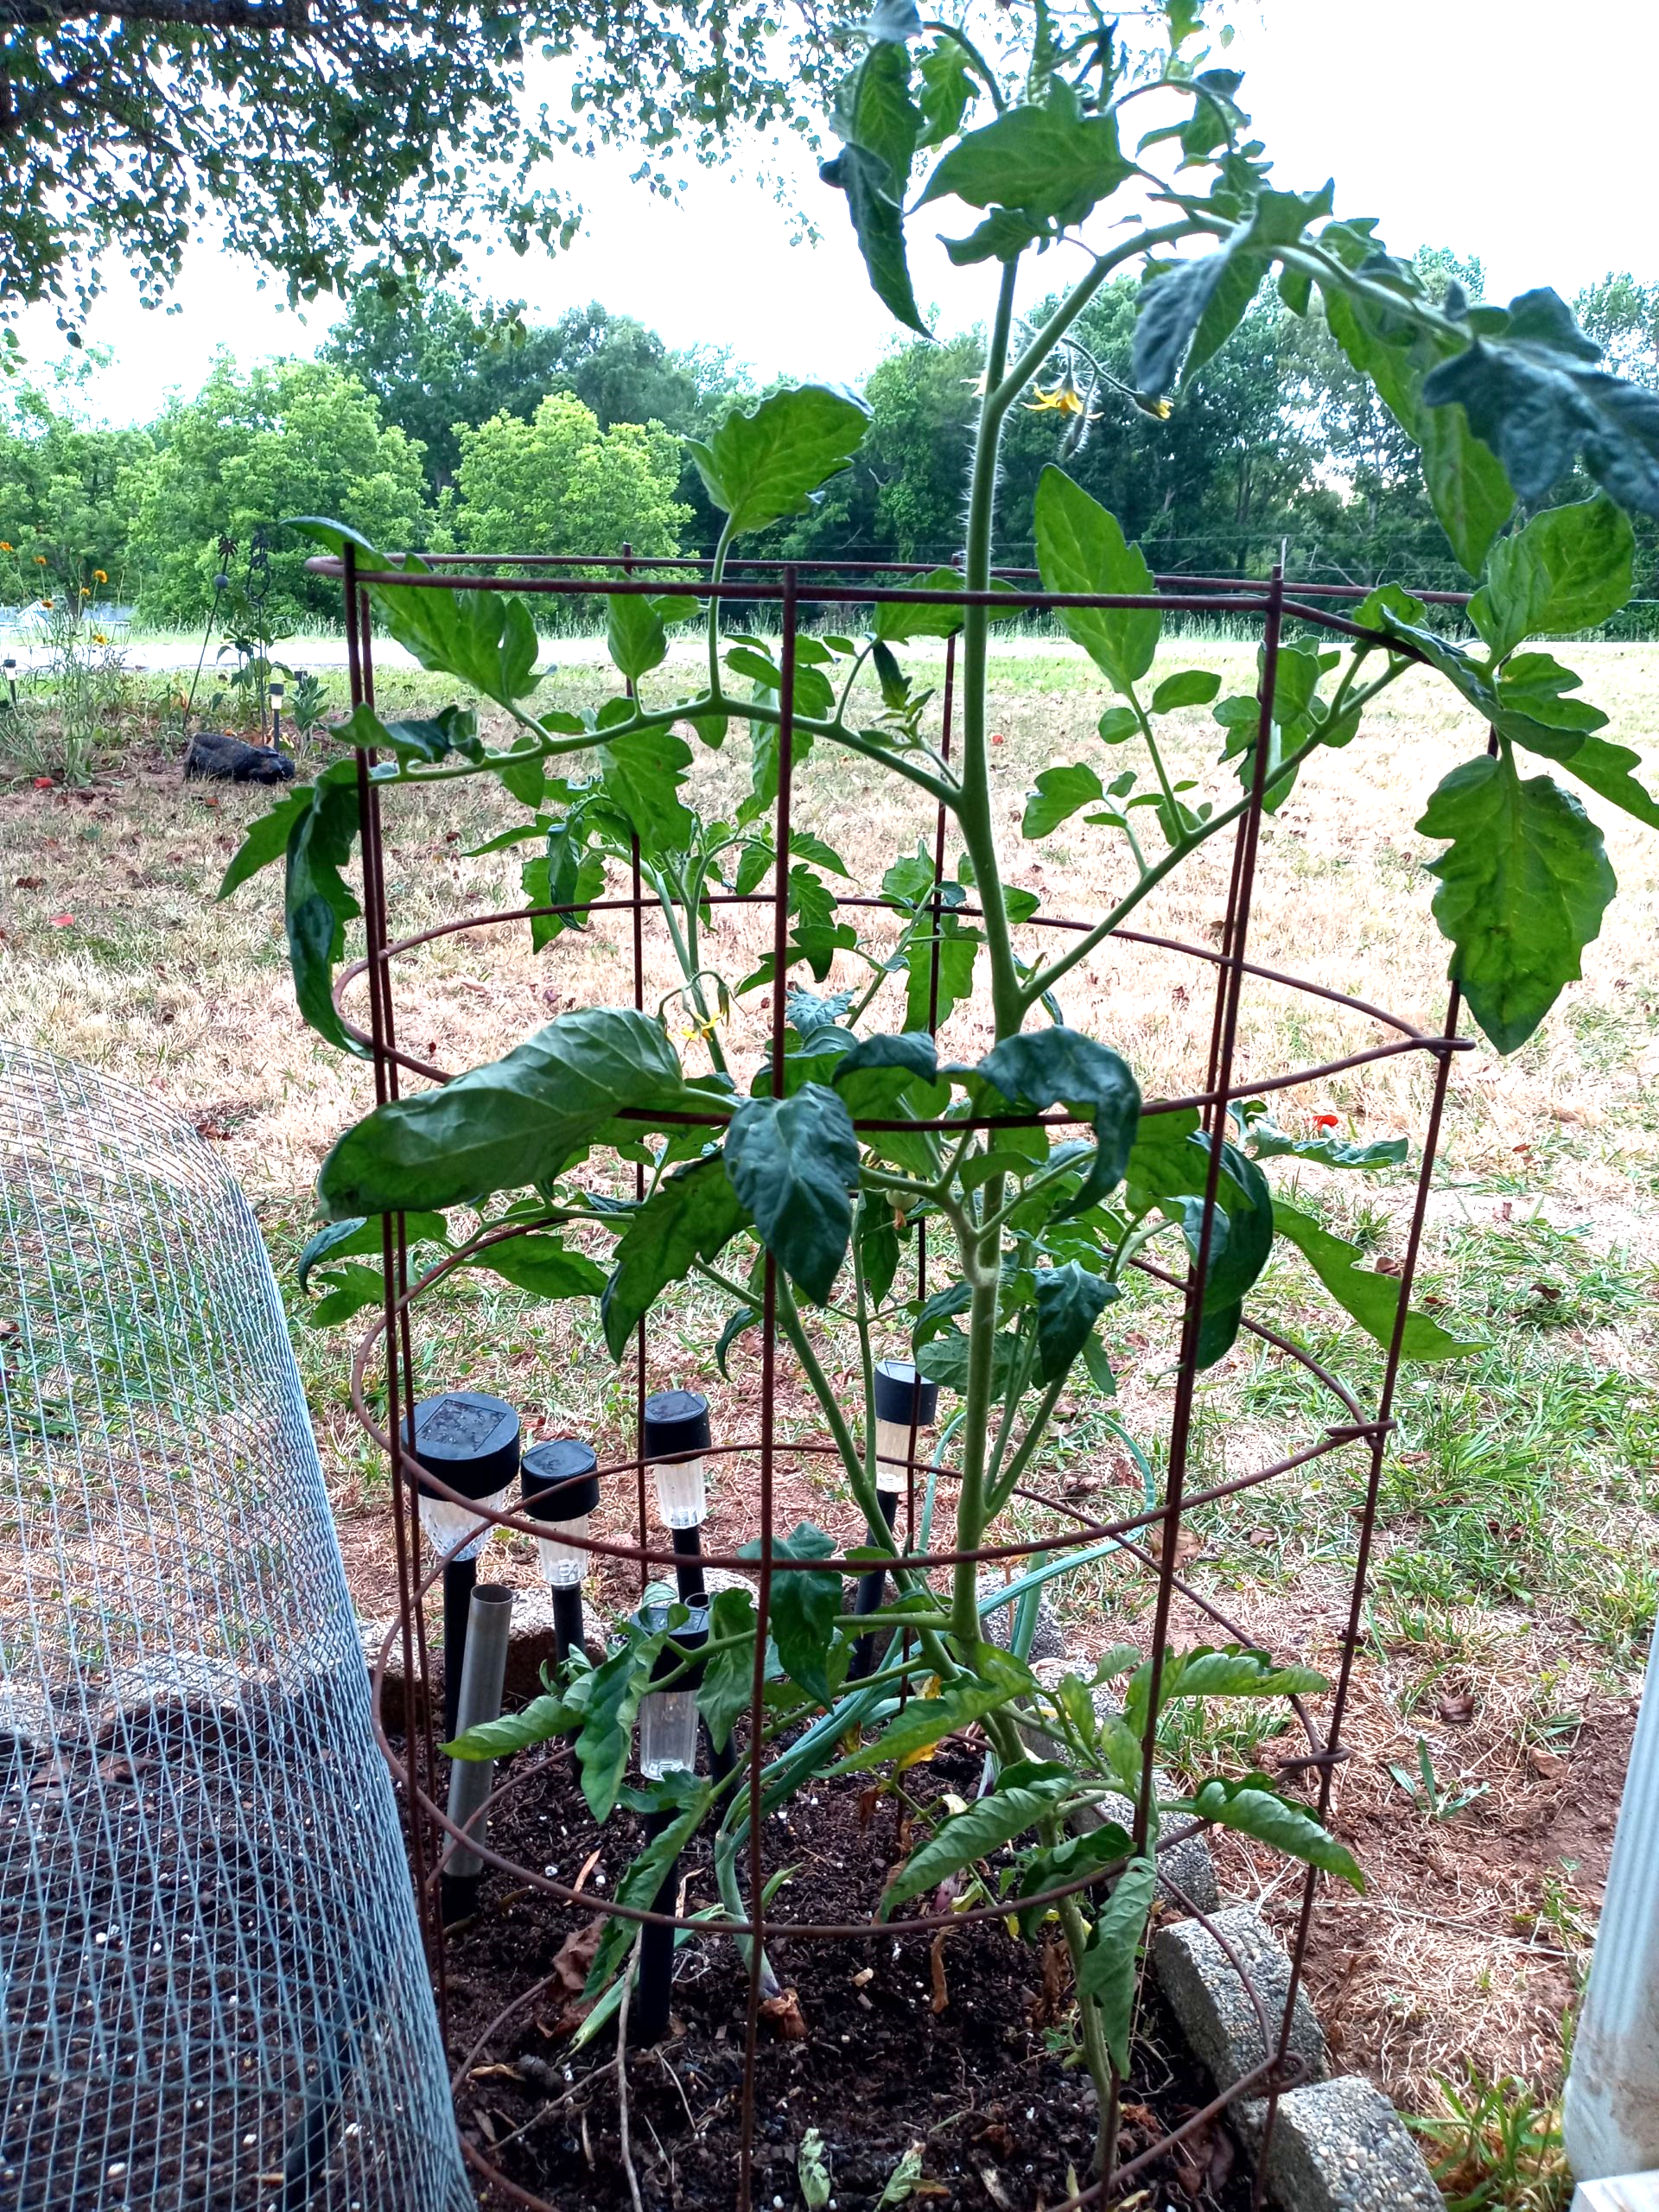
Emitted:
<point x="564" y="1564"/>
<point x="682" y="1493"/>
<point x="892" y="1452"/>
<point x="668" y="1732"/>
<point x="443" y="1521"/>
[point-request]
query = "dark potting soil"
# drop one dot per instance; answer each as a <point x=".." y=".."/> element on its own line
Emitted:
<point x="959" y="2045"/>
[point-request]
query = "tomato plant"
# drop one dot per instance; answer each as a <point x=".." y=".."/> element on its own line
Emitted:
<point x="853" y="1129"/>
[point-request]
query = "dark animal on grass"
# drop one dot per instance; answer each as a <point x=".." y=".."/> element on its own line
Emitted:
<point x="213" y="752"/>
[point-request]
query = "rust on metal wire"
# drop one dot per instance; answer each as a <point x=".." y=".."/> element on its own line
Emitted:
<point x="389" y="1344"/>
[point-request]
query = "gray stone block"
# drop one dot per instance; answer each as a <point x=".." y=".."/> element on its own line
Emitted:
<point x="1214" y="2006"/>
<point x="1339" y="2146"/>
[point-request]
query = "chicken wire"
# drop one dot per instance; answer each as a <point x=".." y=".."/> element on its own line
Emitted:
<point x="212" y="1993"/>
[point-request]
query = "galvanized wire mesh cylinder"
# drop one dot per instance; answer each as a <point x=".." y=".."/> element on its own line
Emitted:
<point x="211" y="1988"/>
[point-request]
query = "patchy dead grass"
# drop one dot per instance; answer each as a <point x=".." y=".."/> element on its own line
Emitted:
<point x="1518" y="1561"/>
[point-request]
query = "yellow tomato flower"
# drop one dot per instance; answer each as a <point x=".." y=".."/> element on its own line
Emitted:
<point x="1064" y="398"/>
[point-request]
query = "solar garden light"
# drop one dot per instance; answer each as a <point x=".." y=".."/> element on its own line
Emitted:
<point x="676" y="1438"/>
<point x="470" y="1441"/>
<point x="482" y="1675"/>
<point x="561" y="1489"/>
<point x="278" y="694"/>
<point x="10" y="667"/>
<point x="668" y="1744"/>
<point x="906" y="1403"/>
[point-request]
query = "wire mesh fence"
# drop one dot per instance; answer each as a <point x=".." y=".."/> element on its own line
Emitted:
<point x="212" y="1989"/>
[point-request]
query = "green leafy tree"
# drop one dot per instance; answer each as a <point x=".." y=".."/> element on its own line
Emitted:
<point x="61" y="478"/>
<point x="434" y="362"/>
<point x="793" y="1182"/>
<point x="1622" y="315"/>
<point x="324" y="140"/>
<point x="249" y="449"/>
<point x="560" y="484"/>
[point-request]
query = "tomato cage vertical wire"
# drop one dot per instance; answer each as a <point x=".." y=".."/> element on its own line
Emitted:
<point x="399" y="1361"/>
<point x="781" y="584"/>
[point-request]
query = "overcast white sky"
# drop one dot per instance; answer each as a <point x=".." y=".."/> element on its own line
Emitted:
<point x="1510" y="129"/>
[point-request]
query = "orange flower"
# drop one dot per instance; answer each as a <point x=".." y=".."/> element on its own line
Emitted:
<point x="39" y="560"/>
<point x="86" y="591"/>
<point x="46" y="604"/>
<point x="6" y="545"/>
<point x="99" y="577"/>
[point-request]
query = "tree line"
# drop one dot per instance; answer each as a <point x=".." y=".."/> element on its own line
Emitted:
<point x="451" y="426"/>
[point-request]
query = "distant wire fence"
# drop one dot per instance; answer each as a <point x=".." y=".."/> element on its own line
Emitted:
<point x="213" y="1997"/>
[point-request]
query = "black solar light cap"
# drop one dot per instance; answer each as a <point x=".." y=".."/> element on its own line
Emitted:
<point x="469" y="1439"/>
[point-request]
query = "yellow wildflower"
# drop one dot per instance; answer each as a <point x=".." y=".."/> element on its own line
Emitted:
<point x="99" y="637"/>
<point x="99" y="576"/>
<point x="39" y="560"/>
<point x="6" y="545"/>
<point x="86" y="591"/>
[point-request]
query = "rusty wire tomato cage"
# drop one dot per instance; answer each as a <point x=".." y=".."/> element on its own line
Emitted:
<point x="1149" y="1537"/>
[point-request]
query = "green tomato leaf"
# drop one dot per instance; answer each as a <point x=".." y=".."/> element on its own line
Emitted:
<point x="761" y="466"/>
<point x="352" y="1239"/>
<point x="1048" y="164"/>
<point x="873" y="109"/>
<point x="1523" y="886"/>
<point x="486" y="639"/>
<point x="509" y="1123"/>
<point x="692" y="1215"/>
<point x="1069" y="1301"/>
<point x="1060" y="793"/>
<point x="1080" y="548"/>
<point x="1568" y="569"/>
<point x="1471" y="497"/>
<point x="802" y="1613"/>
<point x="1532" y="393"/>
<point x="728" y="1680"/>
<point x="542" y="1719"/>
<point x="896" y="620"/>
<point x="966" y="1837"/>
<point x="1372" y="1299"/>
<point x="1107" y="1972"/>
<point x="634" y="636"/>
<point x="1061" y="1066"/>
<point x="793" y="1163"/>
<point x="874" y="203"/>
<point x="643" y="773"/>
<point x="541" y="1265"/>
<point x="1194" y="687"/>
<point x="606" y="1740"/>
<point x="957" y="945"/>
<point x="1254" y="1808"/>
<point x="317" y="900"/>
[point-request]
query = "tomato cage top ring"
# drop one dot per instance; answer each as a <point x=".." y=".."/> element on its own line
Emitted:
<point x="791" y="588"/>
